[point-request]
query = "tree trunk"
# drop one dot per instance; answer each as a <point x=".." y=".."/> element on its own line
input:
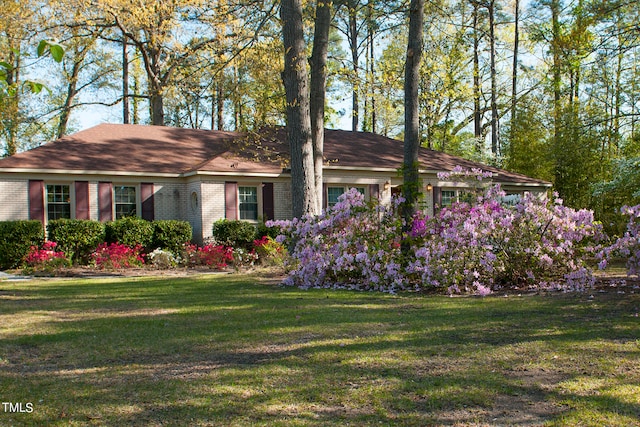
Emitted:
<point x="477" y="114"/>
<point x="556" y="77"/>
<point x="12" y="102"/>
<point x="318" y="90"/>
<point x="411" y="184"/>
<point x="157" y="107"/>
<point x="514" y="70"/>
<point x="220" y="104"/>
<point x="494" y="102"/>
<point x="353" y="47"/>
<point x="125" y="82"/>
<point x="68" y="102"/>
<point x="295" y="79"/>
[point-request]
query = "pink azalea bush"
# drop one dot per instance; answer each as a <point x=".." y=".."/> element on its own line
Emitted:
<point x="627" y="246"/>
<point x="487" y="246"/>
<point x="46" y="257"/>
<point x="350" y="245"/>
<point x="478" y="248"/>
<point x="116" y="255"/>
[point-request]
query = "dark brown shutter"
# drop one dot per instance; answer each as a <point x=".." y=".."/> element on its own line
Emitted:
<point x="231" y="200"/>
<point x="105" y="201"/>
<point x="324" y="196"/>
<point x="268" y="205"/>
<point x="36" y="200"/>
<point x="82" y="199"/>
<point x="146" y="196"/>
<point x="374" y="192"/>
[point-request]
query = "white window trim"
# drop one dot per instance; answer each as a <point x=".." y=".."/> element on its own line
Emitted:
<point x="113" y="198"/>
<point x="345" y="188"/>
<point x="72" y="199"/>
<point x="258" y="186"/>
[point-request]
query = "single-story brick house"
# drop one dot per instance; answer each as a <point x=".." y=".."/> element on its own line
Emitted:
<point x="114" y="170"/>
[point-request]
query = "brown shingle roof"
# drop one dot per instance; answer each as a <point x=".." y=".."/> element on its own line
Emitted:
<point x="125" y="148"/>
<point x="166" y="150"/>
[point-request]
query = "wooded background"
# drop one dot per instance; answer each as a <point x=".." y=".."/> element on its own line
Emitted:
<point x="548" y="88"/>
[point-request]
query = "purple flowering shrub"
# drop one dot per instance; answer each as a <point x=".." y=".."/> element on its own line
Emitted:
<point x="627" y="246"/>
<point x="350" y="245"/>
<point x="468" y="247"/>
<point x="487" y="246"/>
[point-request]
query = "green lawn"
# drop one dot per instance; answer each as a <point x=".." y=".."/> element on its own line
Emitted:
<point x="235" y="350"/>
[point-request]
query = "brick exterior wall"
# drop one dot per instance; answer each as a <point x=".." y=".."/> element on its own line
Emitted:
<point x="194" y="210"/>
<point x="212" y="193"/>
<point x="170" y="200"/>
<point x="201" y="200"/>
<point x="282" y="200"/>
<point x="14" y="199"/>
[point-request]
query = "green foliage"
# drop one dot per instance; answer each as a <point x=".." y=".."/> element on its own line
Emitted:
<point x="262" y="230"/>
<point x="16" y="239"/>
<point x="622" y="189"/>
<point x="235" y="233"/>
<point x="171" y="234"/>
<point x="270" y="252"/>
<point x="130" y="231"/>
<point x="77" y="238"/>
<point x="578" y="162"/>
<point x="55" y="48"/>
<point x="528" y="150"/>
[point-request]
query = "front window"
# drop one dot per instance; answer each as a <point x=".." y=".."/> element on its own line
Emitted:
<point x="248" y="200"/>
<point x="334" y="192"/>
<point x="125" y="201"/>
<point x="58" y="202"/>
<point x="332" y="195"/>
<point x="448" y="197"/>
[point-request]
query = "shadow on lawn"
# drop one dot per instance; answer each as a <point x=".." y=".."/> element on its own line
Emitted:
<point x="222" y="352"/>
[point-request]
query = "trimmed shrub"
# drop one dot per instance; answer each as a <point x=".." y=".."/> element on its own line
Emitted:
<point x="77" y="238"/>
<point x="16" y="239"/>
<point x="171" y="235"/>
<point x="234" y="233"/>
<point x="130" y="231"/>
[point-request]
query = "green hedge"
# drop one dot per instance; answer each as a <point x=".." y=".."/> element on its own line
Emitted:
<point x="235" y="233"/>
<point x="16" y="238"/>
<point x="262" y="230"/>
<point x="130" y="231"/>
<point x="171" y="235"/>
<point x="77" y="238"/>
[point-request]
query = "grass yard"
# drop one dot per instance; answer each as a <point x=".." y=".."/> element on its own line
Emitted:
<point x="223" y="350"/>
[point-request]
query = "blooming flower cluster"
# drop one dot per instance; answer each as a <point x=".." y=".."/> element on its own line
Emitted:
<point x="627" y="246"/>
<point x="117" y="255"/>
<point x="477" y="248"/>
<point x="458" y="173"/>
<point x="489" y="245"/>
<point x="350" y="245"/>
<point x="163" y="259"/>
<point x="45" y="257"/>
<point x="217" y="256"/>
